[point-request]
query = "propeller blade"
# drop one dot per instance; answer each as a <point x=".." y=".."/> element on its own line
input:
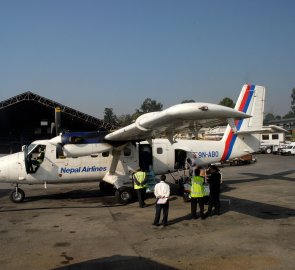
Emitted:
<point x="57" y="120"/>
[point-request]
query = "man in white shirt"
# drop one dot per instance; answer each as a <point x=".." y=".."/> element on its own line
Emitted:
<point x="162" y="193"/>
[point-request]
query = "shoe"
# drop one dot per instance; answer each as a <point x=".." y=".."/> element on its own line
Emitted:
<point x="156" y="224"/>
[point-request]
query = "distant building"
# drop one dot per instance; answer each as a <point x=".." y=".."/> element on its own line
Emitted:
<point x="27" y="117"/>
<point x="288" y="124"/>
<point x="216" y="133"/>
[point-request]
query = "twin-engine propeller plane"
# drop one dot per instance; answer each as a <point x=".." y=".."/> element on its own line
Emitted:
<point x="109" y="157"/>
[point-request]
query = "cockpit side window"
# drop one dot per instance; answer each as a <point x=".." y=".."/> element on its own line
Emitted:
<point x="35" y="157"/>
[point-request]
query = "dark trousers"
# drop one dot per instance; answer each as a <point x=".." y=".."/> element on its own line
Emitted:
<point x="214" y="202"/>
<point x="159" y="208"/>
<point x="194" y="202"/>
<point x="141" y="196"/>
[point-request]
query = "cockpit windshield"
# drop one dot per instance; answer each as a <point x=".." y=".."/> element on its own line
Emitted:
<point x="32" y="147"/>
<point x="34" y="155"/>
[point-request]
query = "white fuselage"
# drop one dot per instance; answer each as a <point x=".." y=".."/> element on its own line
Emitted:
<point x="95" y="167"/>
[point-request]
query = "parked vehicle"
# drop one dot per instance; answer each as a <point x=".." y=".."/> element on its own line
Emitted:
<point x="247" y="159"/>
<point x="278" y="149"/>
<point x="271" y="142"/>
<point x="289" y="150"/>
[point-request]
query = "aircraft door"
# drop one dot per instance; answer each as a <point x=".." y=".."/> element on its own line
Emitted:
<point x="163" y="158"/>
<point x="129" y="158"/>
<point x="27" y="159"/>
<point x="180" y="159"/>
<point x="145" y="156"/>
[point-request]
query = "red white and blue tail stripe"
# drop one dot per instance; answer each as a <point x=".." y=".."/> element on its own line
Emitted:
<point x="243" y="105"/>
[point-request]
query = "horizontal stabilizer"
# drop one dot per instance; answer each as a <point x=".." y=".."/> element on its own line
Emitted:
<point x="264" y="130"/>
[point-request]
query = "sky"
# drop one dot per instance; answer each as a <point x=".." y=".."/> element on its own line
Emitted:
<point x="96" y="54"/>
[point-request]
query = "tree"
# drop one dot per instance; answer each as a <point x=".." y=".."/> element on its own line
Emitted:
<point x="291" y="113"/>
<point x="125" y="120"/>
<point x="293" y="101"/>
<point x="268" y="117"/>
<point x="187" y="101"/>
<point x="228" y="102"/>
<point x="149" y="105"/>
<point x="110" y="117"/>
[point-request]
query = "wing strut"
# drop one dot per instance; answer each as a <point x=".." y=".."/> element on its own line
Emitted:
<point x="115" y="160"/>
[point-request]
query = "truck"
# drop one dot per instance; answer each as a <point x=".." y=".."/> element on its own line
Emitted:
<point x="270" y="142"/>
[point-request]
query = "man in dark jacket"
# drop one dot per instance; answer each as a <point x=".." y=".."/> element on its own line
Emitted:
<point x="214" y="180"/>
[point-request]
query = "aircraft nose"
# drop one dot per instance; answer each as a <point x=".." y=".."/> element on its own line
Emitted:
<point x="3" y="168"/>
<point x="8" y="167"/>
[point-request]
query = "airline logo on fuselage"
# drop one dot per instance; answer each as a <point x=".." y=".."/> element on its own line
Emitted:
<point x="206" y="154"/>
<point x="85" y="169"/>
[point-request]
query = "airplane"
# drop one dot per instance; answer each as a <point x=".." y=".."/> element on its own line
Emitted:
<point x="104" y="157"/>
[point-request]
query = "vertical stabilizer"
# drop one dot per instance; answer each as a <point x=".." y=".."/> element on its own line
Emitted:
<point x="250" y="101"/>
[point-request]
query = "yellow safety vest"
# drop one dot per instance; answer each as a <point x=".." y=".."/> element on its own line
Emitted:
<point x="140" y="176"/>
<point x="197" y="187"/>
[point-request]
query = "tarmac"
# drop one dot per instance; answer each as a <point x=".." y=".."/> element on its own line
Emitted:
<point x="78" y="227"/>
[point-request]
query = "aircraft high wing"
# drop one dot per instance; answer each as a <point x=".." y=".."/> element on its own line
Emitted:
<point x="181" y="117"/>
<point x="109" y="157"/>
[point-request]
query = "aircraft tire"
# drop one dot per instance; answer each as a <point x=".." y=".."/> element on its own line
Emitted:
<point x="186" y="197"/>
<point x="18" y="196"/>
<point x="124" y="195"/>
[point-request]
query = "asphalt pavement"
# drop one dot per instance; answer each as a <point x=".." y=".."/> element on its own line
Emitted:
<point x="75" y="226"/>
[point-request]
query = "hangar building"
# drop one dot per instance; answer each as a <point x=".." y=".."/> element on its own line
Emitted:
<point x="28" y="117"/>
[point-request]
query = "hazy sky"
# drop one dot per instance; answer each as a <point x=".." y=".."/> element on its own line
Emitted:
<point x="93" y="54"/>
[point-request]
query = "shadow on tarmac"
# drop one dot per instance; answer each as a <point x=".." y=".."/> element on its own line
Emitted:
<point x="117" y="262"/>
<point x="259" y="176"/>
<point x="256" y="209"/>
<point x="107" y="199"/>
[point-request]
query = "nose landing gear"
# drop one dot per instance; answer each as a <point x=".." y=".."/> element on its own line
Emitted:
<point x="17" y="195"/>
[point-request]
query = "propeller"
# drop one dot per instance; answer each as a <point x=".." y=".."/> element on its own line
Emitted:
<point x="56" y="125"/>
<point x="56" y="130"/>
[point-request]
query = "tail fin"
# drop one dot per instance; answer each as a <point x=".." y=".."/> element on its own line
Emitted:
<point x="250" y="101"/>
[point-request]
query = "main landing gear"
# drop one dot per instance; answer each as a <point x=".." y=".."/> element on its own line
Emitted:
<point x="124" y="195"/>
<point x="17" y="195"/>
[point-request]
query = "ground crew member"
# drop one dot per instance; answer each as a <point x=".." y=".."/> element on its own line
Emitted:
<point x="139" y="181"/>
<point x="197" y="194"/>
<point x="162" y="193"/>
<point x="214" y="180"/>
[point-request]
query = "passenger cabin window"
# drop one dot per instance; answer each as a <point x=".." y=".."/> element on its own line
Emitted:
<point x="127" y="152"/>
<point x="265" y="137"/>
<point x="105" y="154"/>
<point x="159" y="150"/>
